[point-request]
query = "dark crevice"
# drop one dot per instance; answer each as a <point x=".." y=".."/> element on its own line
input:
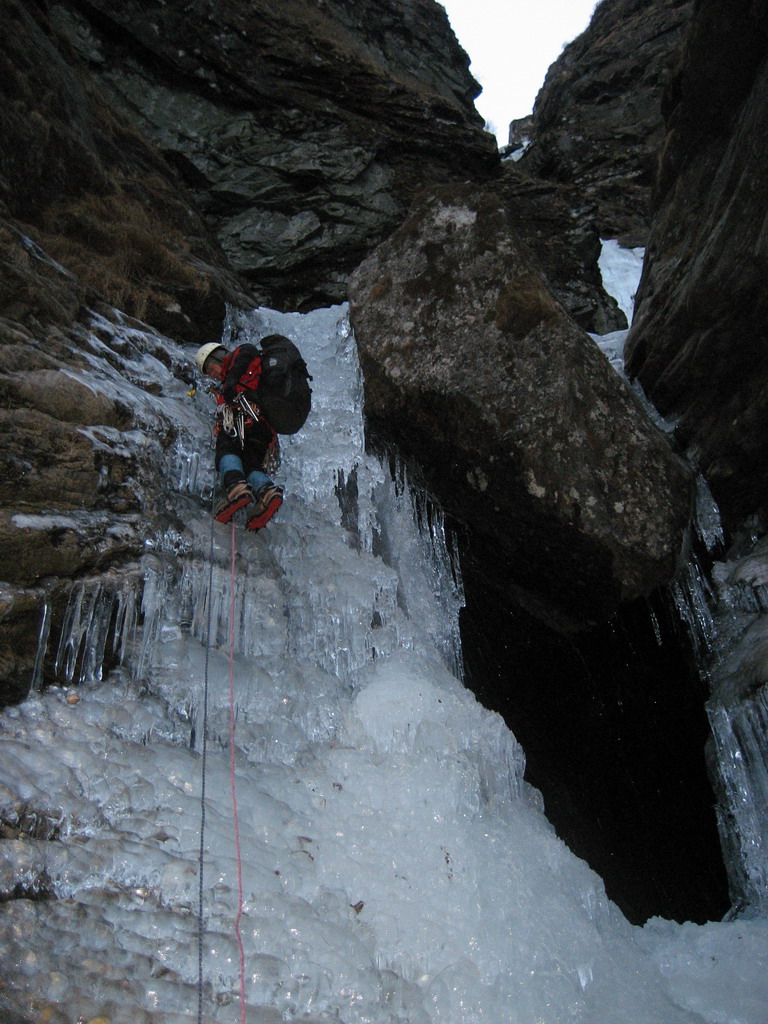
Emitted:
<point x="613" y="725"/>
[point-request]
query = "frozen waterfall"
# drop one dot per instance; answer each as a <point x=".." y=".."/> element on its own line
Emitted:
<point x="396" y="868"/>
<point x="722" y="600"/>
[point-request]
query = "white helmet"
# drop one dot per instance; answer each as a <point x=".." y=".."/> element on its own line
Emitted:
<point x="206" y="350"/>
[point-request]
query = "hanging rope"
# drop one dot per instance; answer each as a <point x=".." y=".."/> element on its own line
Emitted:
<point x="239" y="913"/>
<point x="200" y="914"/>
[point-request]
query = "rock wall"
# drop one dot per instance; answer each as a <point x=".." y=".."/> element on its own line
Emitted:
<point x="699" y="340"/>
<point x="75" y="498"/>
<point x="81" y="183"/>
<point x="597" y="120"/>
<point x="303" y="129"/>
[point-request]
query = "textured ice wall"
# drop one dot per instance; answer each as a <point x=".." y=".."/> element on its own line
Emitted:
<point x="396" y="869"/>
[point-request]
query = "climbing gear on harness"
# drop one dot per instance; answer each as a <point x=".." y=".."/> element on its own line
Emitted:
<point x="235" y="418"/>
<point x="205" y="351"/>
<point x="232" y="422"/>
<point x="239" y="495"/>
<point x="246" y="409"/>
<point x="267" y="501"/>
<point x="246" y="406"/>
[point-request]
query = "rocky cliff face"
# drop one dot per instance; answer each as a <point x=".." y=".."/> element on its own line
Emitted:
<point x="593" y="146"/>
<point x="76" y="498"/>
<point x="86" y="188"/>
<point x="698" y="343"/>
<point x="302" y="129"/>
<point x="597" y="121"/>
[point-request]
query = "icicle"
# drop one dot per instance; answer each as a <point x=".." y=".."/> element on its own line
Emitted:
<point x="156" y="589"/>
<point x="694" y="600"/>
<point x="96" y="635"/>
<point x="188" y="475"/>
<point x="725" y="616"/>
<point x="430" y="589"/>
<point x="72" y="631"/>
<point x="740" y="733"/>
<point x="125" y="622"/>
<point x="655" y="623"/>
<point x="707" y="516"/>
<point x="42" y="647"/>
<point x="102" y="615"/>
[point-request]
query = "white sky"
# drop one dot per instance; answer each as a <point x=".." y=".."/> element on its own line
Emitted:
<point x="511" y="44"/>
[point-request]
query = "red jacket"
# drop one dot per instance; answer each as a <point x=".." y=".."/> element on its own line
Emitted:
<point x="240" y="371"/>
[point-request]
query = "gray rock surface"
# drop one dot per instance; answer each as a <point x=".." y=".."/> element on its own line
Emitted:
<point x="699" y="340"/>
<point x="77" y="180"/>
<point x="597" y="121"/>
<point x="525" y="433"/>
<point x="303" y="128"/>
<point x="548" y="218"/>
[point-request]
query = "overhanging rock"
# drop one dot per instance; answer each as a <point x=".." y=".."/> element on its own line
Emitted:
<point x="570" y="497"/>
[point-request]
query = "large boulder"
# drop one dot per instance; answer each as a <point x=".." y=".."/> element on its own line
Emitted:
<point x="550" y="219"/>
<point x="302" y="128"/>
<point x="571" y="499"/>
<point x="597" y="121"/>
<point x="698" y="341"/>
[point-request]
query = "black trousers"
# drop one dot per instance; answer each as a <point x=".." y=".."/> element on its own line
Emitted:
<point x="252" y="453"/>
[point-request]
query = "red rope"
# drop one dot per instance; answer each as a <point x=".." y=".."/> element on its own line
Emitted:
<point x="232" y="781"/>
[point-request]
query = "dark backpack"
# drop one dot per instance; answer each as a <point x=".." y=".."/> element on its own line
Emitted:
<point x="284" y="394"/>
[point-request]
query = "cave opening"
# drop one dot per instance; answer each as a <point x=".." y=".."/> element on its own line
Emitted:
<point x="613" y="725"/>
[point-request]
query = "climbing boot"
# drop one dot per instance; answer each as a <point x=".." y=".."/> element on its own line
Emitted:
<point x="267" y="501"/>
<point x="238" y="496"/>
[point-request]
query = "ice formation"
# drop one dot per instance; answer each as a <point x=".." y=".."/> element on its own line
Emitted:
<point x="722" y="601"/>
<point x="395" y="867"/>
<point x="620" y="269"/>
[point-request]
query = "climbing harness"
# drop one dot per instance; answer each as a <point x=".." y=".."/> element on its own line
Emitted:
<point x="234" y="419"/>
<point x="272" y="458"/>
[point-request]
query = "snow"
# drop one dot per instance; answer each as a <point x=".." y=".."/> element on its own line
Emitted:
<point x="620" y="269"/>
<point x="717" y="970"/>
<point x="517" y="154"/>
<point x="395" y="866"/>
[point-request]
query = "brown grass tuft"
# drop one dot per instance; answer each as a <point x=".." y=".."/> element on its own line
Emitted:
<point x="115" y="244"/>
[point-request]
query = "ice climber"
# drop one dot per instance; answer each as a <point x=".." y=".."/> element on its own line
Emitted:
<point x="245" y="441"/>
